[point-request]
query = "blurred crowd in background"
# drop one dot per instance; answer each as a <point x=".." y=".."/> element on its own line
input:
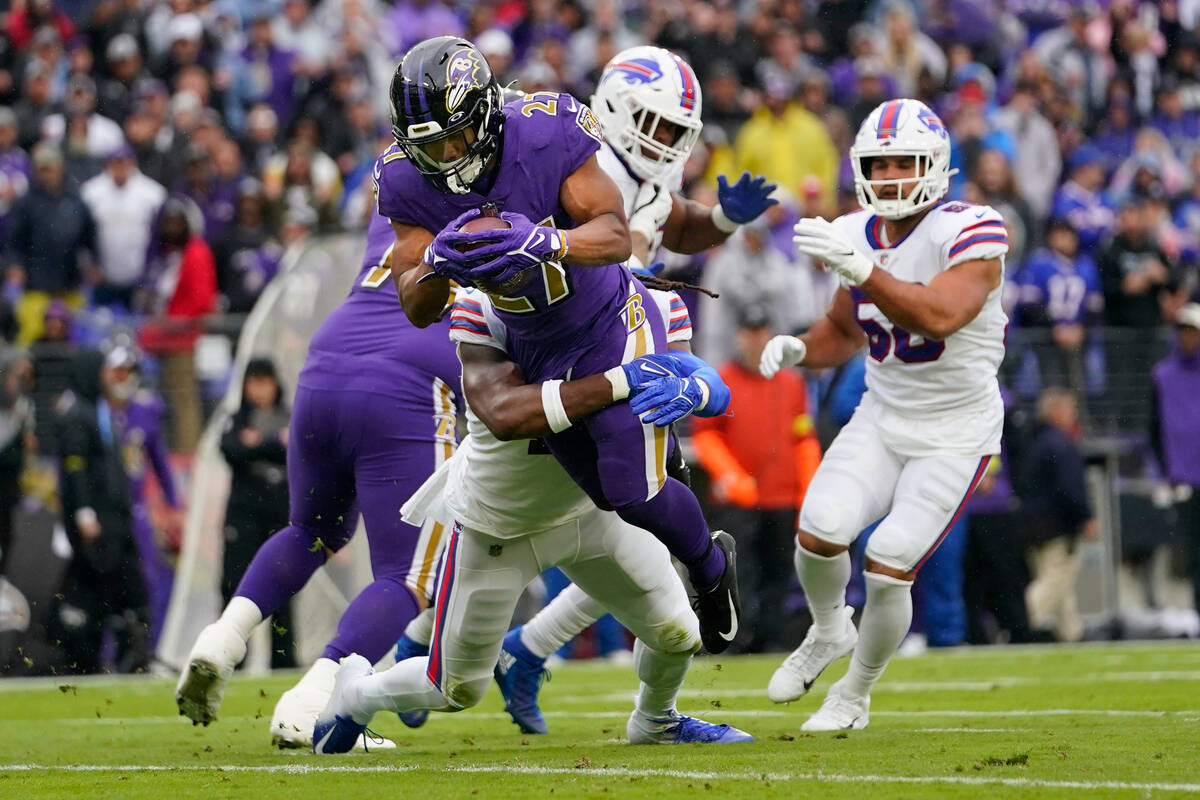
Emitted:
<point x="158" y="158"/>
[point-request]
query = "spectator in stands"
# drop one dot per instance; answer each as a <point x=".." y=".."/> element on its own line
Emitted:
<point x="999" y="188"/>
<point x="786" y="143"/>
<point x="1135" y="271"/>
<point x="1180" y="126"/>
<point x="760" y="459"/>
<point x="906" y="52"/>
<point x="51" y="242"/>
<point x="183" y="291"/>
<point x="14" y="166"/>
<point x="747" y="272"/>
<point x="100" y="135"/>
<point x="102" y="588"/>
<point x="247" y="255"/>
<point x="1175" y="431"/>
<point x="1057" y="513"/>
<point x="152" y="144"/>
<point x="125" y="204"/>
<point x="34" y="105"/>
<point x="1061" y="291"/>
<point x="200" y="185"/>
<point x="1037" y="158"/>
<point x="137" y="420"/>
<point x="53" y="365"/>
<point x="255" y="445"/>
<point x="16" y="437"/>
<point x="1080" y="200"/>
<point x="303" y="175"/>
<point x="265" y="72"/>
<point x="116" y="94"/>
<point x="994" y="570"/>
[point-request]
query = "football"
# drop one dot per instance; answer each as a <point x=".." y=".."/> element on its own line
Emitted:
<point x="484" y="222"/>
<point x="487" y="222"/>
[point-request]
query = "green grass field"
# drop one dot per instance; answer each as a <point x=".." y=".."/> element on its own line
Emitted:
<point x="1102" y="721"/>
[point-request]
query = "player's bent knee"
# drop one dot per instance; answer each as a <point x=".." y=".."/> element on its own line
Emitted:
<point x="462" y="694"/>
<point x="892" y="552"/>
<point x="816" y="546"/>
<point x="823" y="519"/>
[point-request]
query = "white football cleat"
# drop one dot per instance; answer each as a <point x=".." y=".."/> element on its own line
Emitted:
<point x="840" y="712"/>
<point x="801" y="669"/>
<point x="298" y="708"/>
<point x="217" y="651"/>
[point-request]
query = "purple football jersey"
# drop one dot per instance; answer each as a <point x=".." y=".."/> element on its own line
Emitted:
<point x="562" y="309"/>
<point x="142" y="444"/>
<point x="368" y="344"/>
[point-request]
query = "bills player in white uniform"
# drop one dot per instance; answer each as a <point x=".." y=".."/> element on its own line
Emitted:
<point x="921" y="285"/>
<point x="518" y="513"/>
<point x="648" y="103"/>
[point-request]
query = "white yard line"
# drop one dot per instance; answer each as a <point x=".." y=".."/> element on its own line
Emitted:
<point x="1187" y="715"/>
<point x="621" y="772"/>
<point x="885" y="686"/>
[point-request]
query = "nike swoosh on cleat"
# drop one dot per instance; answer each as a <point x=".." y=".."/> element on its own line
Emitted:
<point x="733" y="624"/>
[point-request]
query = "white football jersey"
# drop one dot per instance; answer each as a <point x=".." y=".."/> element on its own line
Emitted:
<point x="909" y="374"/>
<point x="511" y="489"/>
<point x="629" y="184"/>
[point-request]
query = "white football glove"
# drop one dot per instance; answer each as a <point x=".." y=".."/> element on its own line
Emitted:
<point x="782" y="351"/>
<point x="651" y="207"/>
<point x="816" y="237"/>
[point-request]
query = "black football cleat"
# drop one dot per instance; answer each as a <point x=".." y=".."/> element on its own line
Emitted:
<point x="720" y="608"/>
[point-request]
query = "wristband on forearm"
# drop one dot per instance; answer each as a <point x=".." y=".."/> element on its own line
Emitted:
<point x="620" y="383"/>
<point x="552" y="405"/>
<point x="721" y="222"/>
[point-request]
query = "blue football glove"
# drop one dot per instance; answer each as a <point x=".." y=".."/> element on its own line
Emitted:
<point x="508" y="251"/>
<point x="646" y="270"/>
<point x="652" y="375"/>
<point x="747" y="199"/>
<point x="668" y="400"/>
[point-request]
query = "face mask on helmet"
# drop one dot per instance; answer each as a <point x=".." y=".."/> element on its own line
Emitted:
<point x="447" y="112"/>
<point x="648" y="103"/>
<point x="905" y="128"/>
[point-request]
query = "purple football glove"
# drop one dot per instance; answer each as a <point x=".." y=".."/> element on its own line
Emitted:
<point x="443" y="255"/>
<point x="508" y="251"/>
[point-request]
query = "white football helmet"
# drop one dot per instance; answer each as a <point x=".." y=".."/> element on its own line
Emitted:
<point x="638" y="90"/>
<point x="902" y="127"/>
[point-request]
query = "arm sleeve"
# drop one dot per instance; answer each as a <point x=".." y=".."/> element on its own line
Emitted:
<point x="982" y="235"/>
<point x="472" y="322"/>
<point x="679" y="320"/>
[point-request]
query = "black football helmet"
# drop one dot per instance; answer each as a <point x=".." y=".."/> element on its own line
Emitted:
<point x="447" y="112"/>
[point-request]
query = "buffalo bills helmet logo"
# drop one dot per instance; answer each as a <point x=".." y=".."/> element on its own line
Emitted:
<point x="462" y="73"/>
<point x="638" y="70"/>
<point x="933" y="122"/>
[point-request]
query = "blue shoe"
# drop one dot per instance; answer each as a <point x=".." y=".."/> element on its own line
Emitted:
<point x="678" y="729"/>
<point x="407" y="648"/>
<point x="336" y="731"/>
<point x="519" y="674"/>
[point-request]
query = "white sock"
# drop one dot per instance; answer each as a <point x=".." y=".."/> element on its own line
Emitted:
<point x="885" y="622"/>
<point x="321" y="676"/>
<point x="824" y="580"/>
<point x="564" y="618"/>
<point x="661" y="675"/>
<point x="404" y="687"/>
<point x="242" y="615"/>
<point x="420" y="630"/>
